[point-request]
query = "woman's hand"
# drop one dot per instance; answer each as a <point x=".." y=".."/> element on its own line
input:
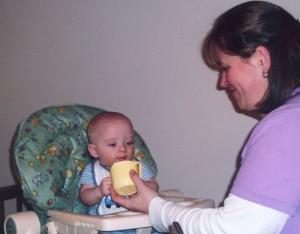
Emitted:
<point x="138" y="202"/>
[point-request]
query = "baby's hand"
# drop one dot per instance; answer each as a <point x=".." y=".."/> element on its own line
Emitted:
<point x="105" y="186"/>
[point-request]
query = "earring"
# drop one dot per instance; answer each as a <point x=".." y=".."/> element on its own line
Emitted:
<point x="265" y="74"/>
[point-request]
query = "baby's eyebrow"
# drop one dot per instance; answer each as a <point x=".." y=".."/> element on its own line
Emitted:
<point x="110" y="139"/>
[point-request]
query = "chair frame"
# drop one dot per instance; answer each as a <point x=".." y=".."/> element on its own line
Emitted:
<point x="7" y="193"/>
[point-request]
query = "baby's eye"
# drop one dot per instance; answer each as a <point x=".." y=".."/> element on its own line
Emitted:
<point x="112" y="145"/>
<point x="129" y="143"/>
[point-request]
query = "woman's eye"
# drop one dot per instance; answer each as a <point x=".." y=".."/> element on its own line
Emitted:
<point x="223" y="71"/>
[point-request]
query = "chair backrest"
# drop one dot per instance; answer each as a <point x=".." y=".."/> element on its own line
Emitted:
<point x="50" y="152"/>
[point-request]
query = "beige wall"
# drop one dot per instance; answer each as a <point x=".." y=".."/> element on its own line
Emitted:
<point x="138" y="57"/>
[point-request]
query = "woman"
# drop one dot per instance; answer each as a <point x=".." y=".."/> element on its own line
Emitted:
<point x="255" y="46"/>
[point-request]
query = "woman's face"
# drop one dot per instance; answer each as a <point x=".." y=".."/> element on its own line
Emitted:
<point x="243" y="79"/>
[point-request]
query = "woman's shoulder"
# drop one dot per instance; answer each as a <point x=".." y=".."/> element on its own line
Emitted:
<point x="287" y="112"/>
<point x="285" y="118"/>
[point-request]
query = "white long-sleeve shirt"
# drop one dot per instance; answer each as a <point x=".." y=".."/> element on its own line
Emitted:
<point x="237" y="216"/>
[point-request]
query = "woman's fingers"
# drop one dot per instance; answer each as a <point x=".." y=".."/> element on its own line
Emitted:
<point x="139" y="201"/>
<point x="136" y="179"/>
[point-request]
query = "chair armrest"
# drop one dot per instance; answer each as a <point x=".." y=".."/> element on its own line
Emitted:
<point x="171" y="193"/>
<point x="177" y="196"/>
<point x="192" y="202"/>
<point x="22" y="223"/>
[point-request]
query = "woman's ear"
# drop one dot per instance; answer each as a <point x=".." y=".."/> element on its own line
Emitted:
<point x="263" y="58"/>
<point x="92" y="150"/>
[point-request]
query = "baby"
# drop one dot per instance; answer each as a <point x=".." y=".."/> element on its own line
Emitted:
<point x="111" y="139"/>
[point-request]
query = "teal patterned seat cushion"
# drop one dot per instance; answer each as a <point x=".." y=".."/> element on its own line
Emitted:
<point x="50" y="152"/>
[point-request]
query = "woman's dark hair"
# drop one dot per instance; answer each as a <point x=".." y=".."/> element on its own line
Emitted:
<point x="240" y="30"/>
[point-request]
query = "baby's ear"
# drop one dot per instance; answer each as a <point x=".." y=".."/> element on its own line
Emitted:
<point x="92" y="150"/>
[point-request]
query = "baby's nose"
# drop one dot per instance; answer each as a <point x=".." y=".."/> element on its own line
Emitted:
<point x="122" y="148"/>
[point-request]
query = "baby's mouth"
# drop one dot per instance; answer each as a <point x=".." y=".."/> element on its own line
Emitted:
<point x="121" y="159"/>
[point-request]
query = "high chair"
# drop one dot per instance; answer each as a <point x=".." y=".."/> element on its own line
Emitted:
<point x="50" y="152"/>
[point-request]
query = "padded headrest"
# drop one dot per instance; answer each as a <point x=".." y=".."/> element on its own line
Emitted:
<point x="50" y="153"/>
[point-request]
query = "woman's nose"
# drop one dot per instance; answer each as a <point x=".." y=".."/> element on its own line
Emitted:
<point x="223" y="81"/>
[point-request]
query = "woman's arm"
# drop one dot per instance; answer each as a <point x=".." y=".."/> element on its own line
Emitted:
<point x="237" y="216"/>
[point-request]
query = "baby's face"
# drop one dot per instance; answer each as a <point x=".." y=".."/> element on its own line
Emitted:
<point x="114" y="142"/>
